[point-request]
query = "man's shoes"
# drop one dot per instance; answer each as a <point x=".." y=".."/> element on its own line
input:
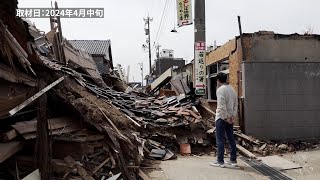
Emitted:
<point x="233" y="164"/>
<point x="217" y="164"/>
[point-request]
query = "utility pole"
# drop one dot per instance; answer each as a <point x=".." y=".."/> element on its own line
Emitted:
<point x="147" y="31"/>
<point x="200" y="20"/>
<point x="141" y="68"/>
<point x="200" y="47"/>
<point x="158" y="51"/>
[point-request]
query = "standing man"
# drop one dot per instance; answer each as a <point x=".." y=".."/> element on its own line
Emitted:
<point x="226" y="112"/>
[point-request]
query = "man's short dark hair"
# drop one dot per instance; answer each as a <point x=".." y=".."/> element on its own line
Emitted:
<point x="222" y="77"/>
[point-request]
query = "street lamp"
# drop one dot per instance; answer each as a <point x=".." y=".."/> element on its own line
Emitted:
<point x="174" y="29"/>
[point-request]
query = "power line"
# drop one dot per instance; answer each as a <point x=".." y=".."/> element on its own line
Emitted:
<point x="164" y="19"/>
<point x="161" y="21"/>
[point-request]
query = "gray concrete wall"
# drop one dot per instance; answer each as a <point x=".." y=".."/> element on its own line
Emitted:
<point x="282" y="100"/>
<point x="285" y="48"/>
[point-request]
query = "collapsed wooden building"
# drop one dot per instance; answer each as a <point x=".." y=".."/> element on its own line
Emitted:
<point x="59" y="117"/>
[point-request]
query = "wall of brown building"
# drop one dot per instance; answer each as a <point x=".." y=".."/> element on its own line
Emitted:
<point x="221" y="52"/>
<point x="231" y="51"/>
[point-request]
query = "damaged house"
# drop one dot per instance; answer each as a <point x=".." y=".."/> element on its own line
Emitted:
<point x="277" y="79"/>
<point x="49" y="120"/>
<point x="60" y="119"/>
<point x="100" y="50"/>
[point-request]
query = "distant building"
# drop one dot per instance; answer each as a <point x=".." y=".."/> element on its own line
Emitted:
<point x="167" y="53"/>
<point x="164" y="62"/>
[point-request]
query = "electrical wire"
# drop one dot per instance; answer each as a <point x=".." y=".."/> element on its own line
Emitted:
<point x="161" y="22"/>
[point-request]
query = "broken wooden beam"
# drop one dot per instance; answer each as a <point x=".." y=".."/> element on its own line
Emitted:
<point x="156" y="144"/>
<point x="31" y="126"/>
<point x="143" y="175"/>
<point x="9" y="135"/>
<point x="59" y="166"/>
<point x="113" y="161"/>
<point x="34" y="97"/>
<point x="81" y="171"/>
<point x="119" y="154"/>
<point x="100" y="166"/>
<point x="109" y="120"/>
<point x="17" y="49"/>
<point x="246" y="152"/>
<point x="9" y="149"/>
<point x="208" y="109"/>
<point x="193" y="114"/>
<point x="43" y="148"/>
<point x="11" y="75"/>
<point x="134" y="122"/>
<point x="60" y="125"/>
<point x="245" y="137"/>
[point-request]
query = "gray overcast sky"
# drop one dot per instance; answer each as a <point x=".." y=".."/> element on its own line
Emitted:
<point x="124" y="26"/>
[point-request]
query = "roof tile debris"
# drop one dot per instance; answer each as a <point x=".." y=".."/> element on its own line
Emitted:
<point x="93" y="47"/>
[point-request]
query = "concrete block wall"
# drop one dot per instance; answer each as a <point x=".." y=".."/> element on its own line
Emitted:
<point x="282" y="100"/>
<point x="267" y="46"/>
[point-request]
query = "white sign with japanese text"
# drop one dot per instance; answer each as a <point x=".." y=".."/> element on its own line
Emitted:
<point x="184" y="11"/>
<point x="200" y="68"/>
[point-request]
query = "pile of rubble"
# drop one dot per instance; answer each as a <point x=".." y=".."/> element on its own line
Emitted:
<point x="171" y="111"/>
<point x="252" y="147"/>
<point x="70" y="125"/>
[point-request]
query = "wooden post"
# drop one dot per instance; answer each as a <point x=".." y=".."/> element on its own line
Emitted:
<point x="42" y="145"/>
<point x="240" y="107"/>
<point x="60" y="37"/>
<point x="55" y="41"/>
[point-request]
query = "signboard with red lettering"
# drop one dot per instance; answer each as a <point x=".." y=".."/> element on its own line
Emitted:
<point x="184" y="11"/>
<point x="200" y="68"/>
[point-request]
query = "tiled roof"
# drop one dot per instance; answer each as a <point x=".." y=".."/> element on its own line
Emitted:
<point x="94" y="47"/>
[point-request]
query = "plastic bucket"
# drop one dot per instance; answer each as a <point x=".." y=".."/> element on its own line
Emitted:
<point x="185" y="149"/>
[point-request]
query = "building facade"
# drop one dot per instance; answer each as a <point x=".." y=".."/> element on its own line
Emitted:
<point x="162" y="64"/>
<point x="277" y="79"/>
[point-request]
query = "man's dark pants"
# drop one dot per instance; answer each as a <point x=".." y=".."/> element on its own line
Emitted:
<point x="222" y="128"/>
